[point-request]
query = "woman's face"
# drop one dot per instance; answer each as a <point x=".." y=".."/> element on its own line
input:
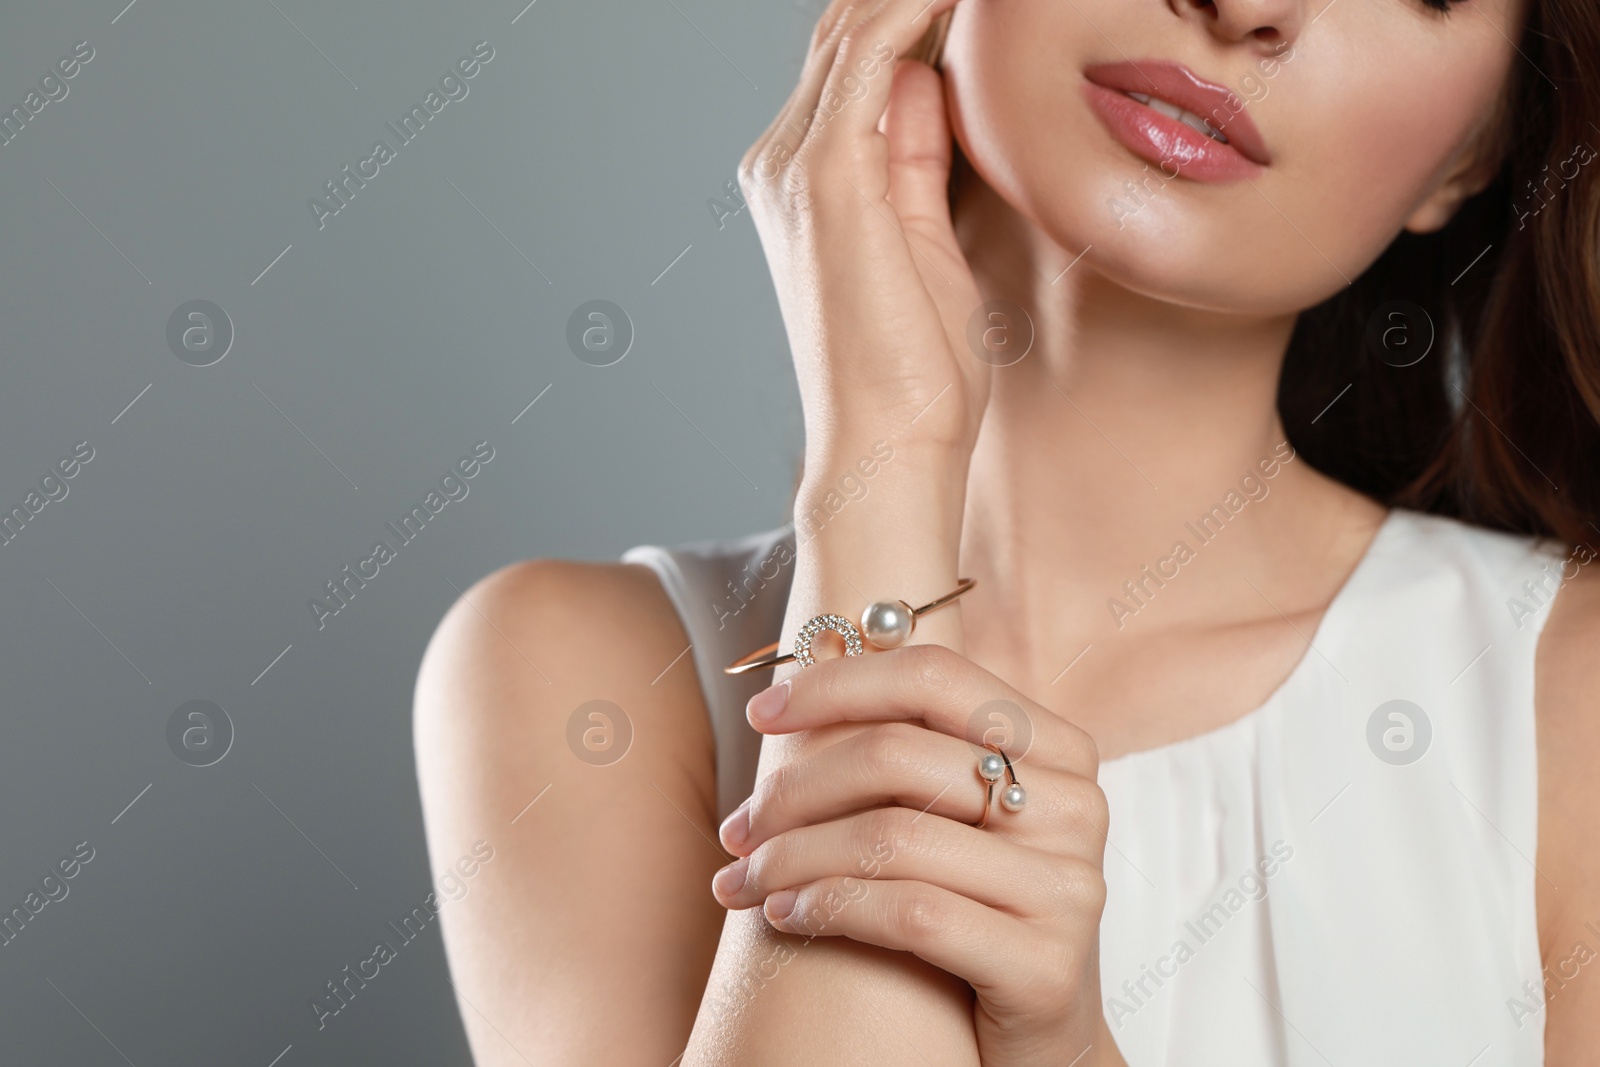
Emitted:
<point x="1366" y="111"/>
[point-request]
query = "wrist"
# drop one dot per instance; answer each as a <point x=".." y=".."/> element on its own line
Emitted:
<point x="920" y="472"/>
<point x="886" y="493"/>
<point x="879" y="520"/>
<point x="939" y="425"/>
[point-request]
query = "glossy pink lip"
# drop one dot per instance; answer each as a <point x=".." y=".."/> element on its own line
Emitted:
<point x="1165" y="141"/>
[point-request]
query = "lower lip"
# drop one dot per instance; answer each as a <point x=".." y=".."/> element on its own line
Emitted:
<point x="1179" y="150"/>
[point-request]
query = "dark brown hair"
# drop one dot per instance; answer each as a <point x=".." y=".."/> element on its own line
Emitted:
<point x="1497" y="423"/>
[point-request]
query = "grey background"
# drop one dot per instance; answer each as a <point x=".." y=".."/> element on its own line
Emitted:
<point x="367" y="360"/>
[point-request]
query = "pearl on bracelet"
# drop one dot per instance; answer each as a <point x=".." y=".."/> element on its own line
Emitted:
<point x="887" y="623"/>
<point x="1013" y="797"/>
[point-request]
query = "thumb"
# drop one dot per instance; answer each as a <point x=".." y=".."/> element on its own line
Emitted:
<point x="918" y="131"/>
<point x="916" y="124"/>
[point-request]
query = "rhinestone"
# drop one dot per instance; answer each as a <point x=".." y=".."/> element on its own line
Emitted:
<point x="838" y="624"/>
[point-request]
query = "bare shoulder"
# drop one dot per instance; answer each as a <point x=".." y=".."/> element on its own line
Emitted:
<point x="545" y="636"/>
<point x="1567" y="698"/>
<point x="559" y="728"/>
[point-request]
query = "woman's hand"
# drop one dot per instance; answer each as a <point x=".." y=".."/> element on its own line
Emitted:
<point x="848" y="193"/>
<point x="872" y="839"/>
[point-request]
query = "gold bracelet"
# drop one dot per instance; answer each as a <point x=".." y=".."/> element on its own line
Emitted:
<point x="885" y="624"/>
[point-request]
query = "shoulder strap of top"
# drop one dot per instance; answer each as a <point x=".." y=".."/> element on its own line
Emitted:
<point x="730" y="597"/>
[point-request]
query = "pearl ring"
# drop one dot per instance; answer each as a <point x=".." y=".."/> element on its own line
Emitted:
<point x="991" y="765"/>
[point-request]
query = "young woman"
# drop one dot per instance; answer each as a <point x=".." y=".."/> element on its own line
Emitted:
<point x="1246" y="353"/>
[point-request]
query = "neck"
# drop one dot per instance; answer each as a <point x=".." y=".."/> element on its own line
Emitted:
<point x="1129" y="418"/>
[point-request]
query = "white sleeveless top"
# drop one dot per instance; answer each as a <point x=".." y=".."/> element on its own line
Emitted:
<point x="1333" y="879"/>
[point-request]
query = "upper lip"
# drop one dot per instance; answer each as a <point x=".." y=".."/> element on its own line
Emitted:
<point x="1175" y="83"/>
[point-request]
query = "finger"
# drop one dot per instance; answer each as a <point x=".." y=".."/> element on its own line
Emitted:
<point x="837" y="12"/>
<point x="918" y="129"/>
<point x="877" y="40"/>
<point x="901" y="843"/>
<point x="920" y="153"/>
<point x="774" y="148"/>
<point x="950" y="931"/>
<point x="930" y="684"/>
<point x="901" y="765"/>
<point x="846" y="90"/>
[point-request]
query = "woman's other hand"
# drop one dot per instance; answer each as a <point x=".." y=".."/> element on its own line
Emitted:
<point x="872" y="838"/>
<point x="848" y="190"/>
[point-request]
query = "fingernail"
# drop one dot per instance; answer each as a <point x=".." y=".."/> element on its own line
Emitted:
<point x="730" y="879"/>
<point x="736" y="827"/>
<point x="768" y="704"/>
<point x="779" y="905"/>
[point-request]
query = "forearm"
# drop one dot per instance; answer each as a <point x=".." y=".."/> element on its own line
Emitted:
<point x="782" y="999"/>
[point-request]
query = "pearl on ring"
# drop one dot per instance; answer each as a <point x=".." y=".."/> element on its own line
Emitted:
<point x="1013" y="797"/>
<point x="887" y="623"/>
<point x="991" y="767"/>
